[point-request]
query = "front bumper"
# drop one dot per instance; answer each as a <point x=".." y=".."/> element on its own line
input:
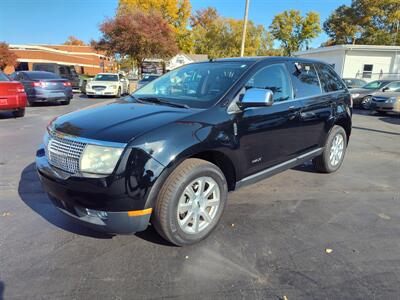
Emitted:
<point x="105" y="92"/>
<point x="101" y="203"/>
<point x="384" y="106"/>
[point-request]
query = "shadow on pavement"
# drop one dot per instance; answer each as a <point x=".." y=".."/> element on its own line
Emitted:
<point x="1" y="290"/>
<point x="31" y="192"/>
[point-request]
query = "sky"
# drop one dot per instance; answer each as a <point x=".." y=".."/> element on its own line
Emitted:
<point x="52" y="21"/>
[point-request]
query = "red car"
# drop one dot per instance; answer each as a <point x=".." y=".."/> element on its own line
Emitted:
<point x="12" y="96"/>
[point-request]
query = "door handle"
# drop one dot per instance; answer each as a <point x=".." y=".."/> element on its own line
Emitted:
<point x="293" y="113"/>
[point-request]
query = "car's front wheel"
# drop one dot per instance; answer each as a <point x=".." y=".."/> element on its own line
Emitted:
<point x="191" y="202"/>
<point x="366" y="102"/>
<point x="331" y="159"/>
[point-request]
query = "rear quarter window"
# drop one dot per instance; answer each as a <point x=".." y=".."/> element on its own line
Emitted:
<point x="305" y="79"/>
<point x="330" y="81"/>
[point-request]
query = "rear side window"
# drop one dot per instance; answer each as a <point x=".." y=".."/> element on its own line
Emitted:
<point x="305" y="79"/>
<point x="275" y="78"/>
<point x="330" y="81"/>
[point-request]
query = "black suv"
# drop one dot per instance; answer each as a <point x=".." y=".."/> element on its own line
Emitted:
<point x="170" y="152"/>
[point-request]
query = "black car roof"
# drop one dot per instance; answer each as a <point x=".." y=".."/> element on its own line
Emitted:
<point x="255" y="59"/>
<point x="35" y="72"/>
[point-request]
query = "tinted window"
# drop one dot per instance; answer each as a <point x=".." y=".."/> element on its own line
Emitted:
<point x="41" y="75"/>
<point x="63" y="71"/>
<point x="305" y="80"/>
<point x="44" y="67"/>
<point x="274" y="78"/>
<point x="3" y="77"/>
<point x="330" y="81"/>
<point x="196" y="85"/>
<point x="393" y="86"/>
<point x="106" y="77"/>
<point x="374" y="85"/>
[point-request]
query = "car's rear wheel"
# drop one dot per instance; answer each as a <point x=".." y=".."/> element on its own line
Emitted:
<point x="331" y="159"/>
<point x="366" y="102"/>
<point x="191" y="202"/>
<point x="19" y="113"/>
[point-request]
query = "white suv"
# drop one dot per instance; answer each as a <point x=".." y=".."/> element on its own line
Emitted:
<point x="107" y="84"/>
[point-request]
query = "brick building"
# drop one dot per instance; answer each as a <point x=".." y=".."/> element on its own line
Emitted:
<point x="85" y="59"/>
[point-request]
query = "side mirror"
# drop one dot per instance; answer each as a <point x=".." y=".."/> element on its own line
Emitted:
<point x="255" y="97"/>
<point x="385" y="89"/>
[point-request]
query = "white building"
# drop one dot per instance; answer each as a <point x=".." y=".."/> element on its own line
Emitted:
<point x="367" y="62"/>
<point x="183" y="59"/>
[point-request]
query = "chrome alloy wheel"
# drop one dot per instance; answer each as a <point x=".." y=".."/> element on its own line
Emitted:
<point x="336" y="152"/>
<point x="198" y="205"/>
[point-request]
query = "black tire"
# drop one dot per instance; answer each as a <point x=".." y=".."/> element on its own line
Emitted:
<point x="366" y="102"/>
<point x="65" y="102"/>
<point x="323" y="162"/>
<point x="165" y="216"/>
<point x="19" y="113"/>
<point x="118" y="93"/>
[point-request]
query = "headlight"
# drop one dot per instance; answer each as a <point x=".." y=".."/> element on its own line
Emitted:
<point x="113" y="87"/>
<point x="99" y="159"/>
<point x="88" y="86"/>
<point x="355" y="95"/>
<point x="392" y="99"/>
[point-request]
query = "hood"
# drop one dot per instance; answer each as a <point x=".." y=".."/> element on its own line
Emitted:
<point x="119" y="121"/>
<point x="94" y="82"/>
<point x="387" y="94"/>
<point x="362" y="91"/>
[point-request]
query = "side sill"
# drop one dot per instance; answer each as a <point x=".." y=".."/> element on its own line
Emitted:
<point x="278" y="168"/>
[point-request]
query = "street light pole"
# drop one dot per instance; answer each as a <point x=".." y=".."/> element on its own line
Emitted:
<point x="246" y="12"/>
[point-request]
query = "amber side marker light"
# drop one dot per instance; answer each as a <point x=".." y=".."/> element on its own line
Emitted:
<point x="135" y="213"/>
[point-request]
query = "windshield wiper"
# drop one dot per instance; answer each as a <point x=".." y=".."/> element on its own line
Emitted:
<point x="157" y="100"/>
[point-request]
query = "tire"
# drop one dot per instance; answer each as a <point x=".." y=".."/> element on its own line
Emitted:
<point x="65" y="102"/>
<point x="366" y="102"/>
<point x="178" y="191"/>
<point x="325" y="163"/>
<point x="19" y="113"/>
<point x="118" y="93"/>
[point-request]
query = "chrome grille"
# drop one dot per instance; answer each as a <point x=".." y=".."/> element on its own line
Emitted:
<point x="99" y="87"/>
<point x="64" y="153"/>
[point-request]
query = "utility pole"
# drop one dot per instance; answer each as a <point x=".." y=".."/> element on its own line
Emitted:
<point x="246" y="13"/>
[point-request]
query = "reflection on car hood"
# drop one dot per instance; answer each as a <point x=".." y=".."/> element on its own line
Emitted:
<point x="95" y="82"/>
<point x="119" y="121"/>
<point x="387" y="94"/>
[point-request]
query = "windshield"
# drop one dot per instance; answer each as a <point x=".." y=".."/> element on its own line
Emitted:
<point x="196" y="85"/>
<point x="374" y="85"/>
<point x="106" y="77"/>
<point x="3" y="77"/>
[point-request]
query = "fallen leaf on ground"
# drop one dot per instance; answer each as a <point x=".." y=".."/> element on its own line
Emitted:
<point x="328" y="250"/>
<point x="5" y="214"/>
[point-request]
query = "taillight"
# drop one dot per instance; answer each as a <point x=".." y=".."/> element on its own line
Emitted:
<point x="20" y="90"/>
<point x="39" y="84"/>
<point x="67" y="83"/>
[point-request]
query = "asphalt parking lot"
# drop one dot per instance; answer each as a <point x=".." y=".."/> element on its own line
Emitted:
<point x="272" y="241"/>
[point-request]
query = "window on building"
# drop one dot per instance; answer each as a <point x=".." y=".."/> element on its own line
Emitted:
<point x="367" y="71"/>
<point x="305" y="80"/>
<point x="274" y="78"/>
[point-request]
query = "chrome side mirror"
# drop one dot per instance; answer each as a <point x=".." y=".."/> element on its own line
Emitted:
<point x="255" y="97"/>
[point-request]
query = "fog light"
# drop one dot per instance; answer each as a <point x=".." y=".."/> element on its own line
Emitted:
<point x="97" y="213"/>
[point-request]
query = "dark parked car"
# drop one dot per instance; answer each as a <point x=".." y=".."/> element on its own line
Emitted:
<point x="146" y="79"/>
<point x="64" y="71"/>
<point x="12" y="96"/>
<point x="44" y="87"/>
<point x="352" y="83"/>
<point x="171" y="151"/>
<point x="386" y="102"/>
<point x="362" y="97"/>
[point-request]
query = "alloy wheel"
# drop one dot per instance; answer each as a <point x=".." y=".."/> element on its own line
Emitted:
<point x="336" y="152"/>
<point x="198" y="205"/>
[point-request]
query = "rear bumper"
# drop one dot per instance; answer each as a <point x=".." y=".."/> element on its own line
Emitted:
<point x="44" y="96"/>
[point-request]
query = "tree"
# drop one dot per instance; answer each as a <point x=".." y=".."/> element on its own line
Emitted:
<point x="295" y="31"/>
<point x="373" y="22"/>
<point x="7" y="57"/>
<point x="74" y="41"/>
<point x="137" y="35"/>
<point x="221" y="37"/>
<point x="175" y="12"/>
